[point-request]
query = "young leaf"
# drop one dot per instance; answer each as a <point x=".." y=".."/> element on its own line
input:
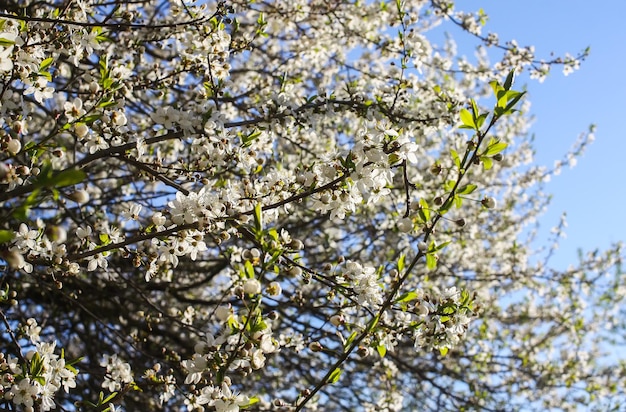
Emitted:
<point x="6" y="236"/>
<point x="382" y="350"/>
<point x="401" y="262"/>
<point x="334" y="377"/>
<point x="467" y="119"/>
<point x="510" y="78"/>
<point x="258" y="217"/>
<point x="495" y="148"/>
<point x="455" y="158"/>
<point x="466" y="189"/>
<point x="431" y="261"/>
<point x="487" y="162"/>
<point x="45" y="64"/>
<point x="407" y="297"/>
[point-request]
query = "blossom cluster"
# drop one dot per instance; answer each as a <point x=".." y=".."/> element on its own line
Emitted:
<point x="33" y="380"/>
<point x="290" y="184"/>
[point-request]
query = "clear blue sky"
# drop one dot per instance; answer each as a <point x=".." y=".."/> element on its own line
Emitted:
<point x="592" y="193"/>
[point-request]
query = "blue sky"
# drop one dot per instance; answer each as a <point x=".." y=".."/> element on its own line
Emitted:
<point x="592" y="193"/>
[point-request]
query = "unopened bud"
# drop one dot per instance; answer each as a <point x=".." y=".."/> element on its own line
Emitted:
<point x="81" y="130"/>
<point x="405" y="225"/>
<point x="488" y="202"/>
<point x="252" y="287"/>
<point x="438" y="201"/>
<point x="296" y="244"/>
<point x="337" y="320"/>
<point x="79" y="196"/>
<point x="460" y="222"/>
<point x="363" y="351"/>
<point x="422" y="246"/>
<point x="14" y="146"/>
<point x="435" y="169"/>
<point x="498" y="157"/>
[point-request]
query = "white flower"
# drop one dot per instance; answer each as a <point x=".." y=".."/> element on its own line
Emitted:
<point x="252" y="287"/>
<point x="230" y="402"/>
<point x="6" y="62"/>
<point x="74" y="109"/>
<point x="25" y="392"/>
<point x="131" y="211"/>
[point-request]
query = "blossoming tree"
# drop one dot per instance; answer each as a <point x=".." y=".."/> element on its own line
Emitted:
<point x="282" y="205"/>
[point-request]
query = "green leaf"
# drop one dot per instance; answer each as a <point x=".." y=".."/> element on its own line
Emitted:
<point x="474" y="108"/>
<point x="495" y="86"/>
<point x="91" y="118"/>
<point x="6" y="236"/>
<point x="431" y="261"/>
<point x="251" y="401"/>
<point x="46" y="74"/>
<point x="481" y="120"/>
<point x="446" y="205"/>
<point x="424" y="211"/>
<point x="467" y="189"/>
<point x="249" y="269"/>
<point x="509" y="80"/>
<point x="334" y="376"/>
<point x="45" y="64"/>
<point x="441" y="246"/>
<point x="458" y="202"/>
<point x="407" y="297"/>
<point x="401" y="262"/>
<point x="509" y="107"/>
<point x="67" y="178"/>
<point x="373" y="323"/>
<point x="487" y="162"/>
<point x="6" y="42"/>
<point x="247" y="140"/>
<point x="107" y="399"/>
<point x="104" y="239"/>
<point x="495" y="148"/>
<point x="104" y="104"/>
<point x="350" y="340"/>
<point x="467" y="119"/>
<point x="258" y="217"/>
<point x="456" y="158"/>
<point x="382" y="350"/>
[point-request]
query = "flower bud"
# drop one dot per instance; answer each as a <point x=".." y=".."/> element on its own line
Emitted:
<point x="488" y="202"/>
<point x="81" y="130"/>
<point x="337" y="320"/>
<point x="315" y="346"/>
<point x="252" y="287"/>
<point x="405" y="225"/>
<point x="438" y="201"/>
<point x="223" y="312"/>
<point x="14" y="146"/>
<point x="79" y="196"/>
<point x="296" y="244"/>
<point x="422" y="246"/>
<point x="435" y="169"/>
